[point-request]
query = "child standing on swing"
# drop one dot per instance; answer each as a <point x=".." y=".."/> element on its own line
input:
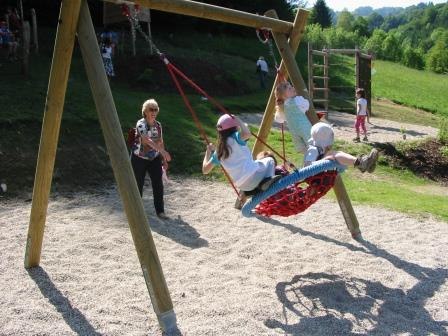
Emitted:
<point x="292" y="108"/>
<point x="234" y="155"/>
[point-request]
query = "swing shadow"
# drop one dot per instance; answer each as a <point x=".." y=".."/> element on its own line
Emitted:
<point x="297" y="230"/>
<point x="72" y="316"/>
<point x="400" y="311"/>
<point x="397" y="130"/>
<point x="177" y="230"/>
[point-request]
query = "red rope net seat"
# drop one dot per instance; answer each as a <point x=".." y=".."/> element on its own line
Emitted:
<point x="297" y="197"/>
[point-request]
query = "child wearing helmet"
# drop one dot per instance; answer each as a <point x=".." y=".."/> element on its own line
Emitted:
<point x="320" y="147"/>
<point x="292" y="108"/>
<point x="234" y="155"/>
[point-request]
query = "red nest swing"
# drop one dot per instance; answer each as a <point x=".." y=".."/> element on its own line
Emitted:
<point x="297" y="197"/>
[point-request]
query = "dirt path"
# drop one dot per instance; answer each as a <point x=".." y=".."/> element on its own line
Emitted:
<point x="380" y="130"/>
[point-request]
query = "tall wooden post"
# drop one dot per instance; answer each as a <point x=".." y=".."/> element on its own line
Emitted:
<point x="34" y="31"/>
<point x="26" y="34"/>
<point x="310" y="71"/>
<point x="127" y="186"/>
<point x="62" y="56"/>
<point x="268" y="116"/>
<point x="299" y="84"/>
<point x="151" y="52"/>
<point x="357" y="68"/>
<point x="326" y="80"/>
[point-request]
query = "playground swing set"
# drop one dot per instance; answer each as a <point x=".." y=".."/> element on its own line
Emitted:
<point x="291" y="195"/>
<point x="286" y="194"/>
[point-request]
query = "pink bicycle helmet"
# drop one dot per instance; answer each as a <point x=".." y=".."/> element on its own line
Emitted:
<point x="225" y="122"/>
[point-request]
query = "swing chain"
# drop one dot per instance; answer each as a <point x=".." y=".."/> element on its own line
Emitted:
<point x="267" y="40"/>
<point x="135" y="25"/>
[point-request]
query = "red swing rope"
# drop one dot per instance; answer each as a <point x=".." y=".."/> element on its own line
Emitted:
<point x="283" y="143"/>
<point x="173" y="71"/>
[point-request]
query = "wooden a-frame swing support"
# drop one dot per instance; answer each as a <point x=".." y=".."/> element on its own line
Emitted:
<point x="75" y="20"/>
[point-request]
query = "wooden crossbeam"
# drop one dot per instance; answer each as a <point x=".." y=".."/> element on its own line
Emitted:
<point x="211" y="12"/>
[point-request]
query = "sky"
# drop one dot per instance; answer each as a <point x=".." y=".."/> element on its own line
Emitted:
<point x="338" y="5"/>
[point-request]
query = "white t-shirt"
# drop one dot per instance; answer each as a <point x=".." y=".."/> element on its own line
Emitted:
<point x="312" y="154"/>
<point x="362" y="109"/>
<point x="239" y="164"/>
<point x="263" y="65"/>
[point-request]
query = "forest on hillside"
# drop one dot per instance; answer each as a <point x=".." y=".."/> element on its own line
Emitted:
<point x="416" y="36"/>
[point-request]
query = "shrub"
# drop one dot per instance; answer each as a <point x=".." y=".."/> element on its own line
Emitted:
<point x="444" y="151"/>
<point x="315" y="35"/>
<point x="339" y="38"/>
<point x="374" y="43"/>
<point x="413" y="58"/>
<point x="391" y="48"/>
<point x="437" y="59"/>
<point x="442" y="135"/>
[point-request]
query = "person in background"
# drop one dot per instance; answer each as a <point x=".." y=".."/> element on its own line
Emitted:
<point x="107" y="53"/>
<point x="262" y="70"/>
<point x="149" y="154"/>
<point x="362" y="113"/>
<point x="15" y="24"/>
<point x="7" y="39"/>
<point x="112" y="36"/>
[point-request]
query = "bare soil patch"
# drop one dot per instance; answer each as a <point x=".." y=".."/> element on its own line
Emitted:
<point x="425" y="159"/>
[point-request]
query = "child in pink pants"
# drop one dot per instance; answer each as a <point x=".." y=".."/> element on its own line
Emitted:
<point x="362" y="113"/>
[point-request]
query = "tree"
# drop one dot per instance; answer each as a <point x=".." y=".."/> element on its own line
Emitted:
<point x="437" y="59"/>
<point x="361" y="27"/>
<point x="315" y="35"/>
<point x="375" y="42"/>
<point x="391" y="48"/>
<point x="321" y="14"/>
<point x="413" y="58"/>
<point x="345" y="20"/>
<point x="374" y="21"/>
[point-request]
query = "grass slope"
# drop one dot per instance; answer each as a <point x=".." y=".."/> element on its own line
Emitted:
<point x="415" y="88"/>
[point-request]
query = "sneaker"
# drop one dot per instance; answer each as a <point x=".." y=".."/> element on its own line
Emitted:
<point x="365" y="138"/>
<point x="368" y="162"/>
<point x="357" y="139"/>
<point x="162" y="215"/>
<point x="240" y="200"/>
<point x="266" y="183"/>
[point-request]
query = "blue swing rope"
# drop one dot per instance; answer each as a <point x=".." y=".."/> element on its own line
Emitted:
<point x="296" y="176"/>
